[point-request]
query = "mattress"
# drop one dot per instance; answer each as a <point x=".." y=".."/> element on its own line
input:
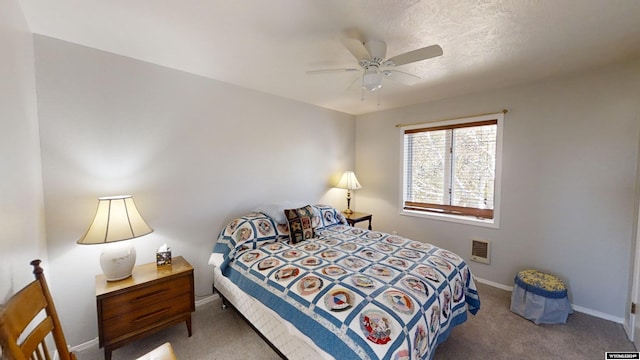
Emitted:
<point x="283" y="335"/>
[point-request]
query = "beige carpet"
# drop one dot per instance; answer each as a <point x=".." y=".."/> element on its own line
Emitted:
<point x="495" y="333"/>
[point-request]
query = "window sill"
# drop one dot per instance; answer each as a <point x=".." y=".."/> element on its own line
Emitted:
<point x="468" y="220"/>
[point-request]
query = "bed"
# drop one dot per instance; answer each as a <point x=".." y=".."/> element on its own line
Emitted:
<point x="315" y="287"/>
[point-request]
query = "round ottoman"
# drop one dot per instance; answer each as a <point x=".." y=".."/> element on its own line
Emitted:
<point x="540" y="297"/>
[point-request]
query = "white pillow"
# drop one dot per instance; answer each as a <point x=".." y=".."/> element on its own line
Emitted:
<point x="276" y="210"/>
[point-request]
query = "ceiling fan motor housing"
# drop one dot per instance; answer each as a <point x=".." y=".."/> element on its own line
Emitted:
<point x="377" y="49"/>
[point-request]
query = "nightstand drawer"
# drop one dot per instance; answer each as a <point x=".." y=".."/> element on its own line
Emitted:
<point x="144" y="297"/>
<point x="146" y="316"/>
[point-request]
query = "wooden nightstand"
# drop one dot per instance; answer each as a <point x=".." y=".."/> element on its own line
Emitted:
<point x="153" y="298"/>
<point x="357" y="217"/>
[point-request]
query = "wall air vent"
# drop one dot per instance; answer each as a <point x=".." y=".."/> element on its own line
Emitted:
<point x="481" y="251"/>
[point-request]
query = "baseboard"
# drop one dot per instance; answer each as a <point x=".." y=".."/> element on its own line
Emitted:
<point x="577" y="308"/>
<point x="598" y="314"/>
<point x="207" y="299"/>
<point x="493" y="284"/>
<point x="85" y="345"/>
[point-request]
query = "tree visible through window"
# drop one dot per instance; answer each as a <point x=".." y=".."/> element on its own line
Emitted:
<point x="450" y="167"/>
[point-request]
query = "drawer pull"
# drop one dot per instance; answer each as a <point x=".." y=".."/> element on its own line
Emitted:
<point x="150" y="315"/>
<point x="143" y="297"/>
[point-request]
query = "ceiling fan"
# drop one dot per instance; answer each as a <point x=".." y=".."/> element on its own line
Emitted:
<point x="375" y="67"/>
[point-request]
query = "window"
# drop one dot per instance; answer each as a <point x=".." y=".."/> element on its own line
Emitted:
<point x="451" y="169"/>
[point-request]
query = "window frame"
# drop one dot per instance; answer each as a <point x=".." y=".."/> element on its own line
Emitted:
<point x="452" y="217"/>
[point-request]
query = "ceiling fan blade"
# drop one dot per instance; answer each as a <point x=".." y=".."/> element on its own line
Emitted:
<point x="353" y="82"/>
<point x="356" y="48"/>
<point x="401" y="77"/>
<point x="415" y="55"/>
<point x="330" y="71"/>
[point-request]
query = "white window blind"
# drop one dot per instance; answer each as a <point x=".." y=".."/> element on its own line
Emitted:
<point x="450" y="168"/>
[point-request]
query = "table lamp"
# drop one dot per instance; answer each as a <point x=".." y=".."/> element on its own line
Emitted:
<point x="117" y="219"/>
<point x="349" y="182"/>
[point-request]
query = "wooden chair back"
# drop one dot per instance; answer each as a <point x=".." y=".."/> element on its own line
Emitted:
<point x="29" y="320"/>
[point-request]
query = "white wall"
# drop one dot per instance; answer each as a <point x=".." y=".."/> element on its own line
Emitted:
<point x="22" y="235"/>
<point x="194" y="152"/>
<point x="568" y="185"/>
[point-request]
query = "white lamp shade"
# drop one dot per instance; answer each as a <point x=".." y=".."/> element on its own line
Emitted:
<point x="349" y="181"/>
<point x="116" y="219"/>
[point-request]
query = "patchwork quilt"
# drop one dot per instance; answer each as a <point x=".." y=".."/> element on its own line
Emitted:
<point x="357" y="294"/>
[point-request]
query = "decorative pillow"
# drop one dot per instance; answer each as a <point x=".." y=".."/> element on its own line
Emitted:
<point x="329" y="216"/>
<point x="300" y="223"/>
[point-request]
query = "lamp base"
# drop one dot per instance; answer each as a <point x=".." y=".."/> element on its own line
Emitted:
<point x="117" y="260"/>
<point x="348" y="211"/>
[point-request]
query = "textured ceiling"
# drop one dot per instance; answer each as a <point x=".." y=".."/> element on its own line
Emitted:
<point x="269" y="45"/>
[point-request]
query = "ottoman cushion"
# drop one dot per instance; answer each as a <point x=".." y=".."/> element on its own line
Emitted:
<point x="540" y="297"/>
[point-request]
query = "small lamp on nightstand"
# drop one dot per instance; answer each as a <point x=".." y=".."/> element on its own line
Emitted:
<point x="349" y="182"/>
<point x="116" y="219"/>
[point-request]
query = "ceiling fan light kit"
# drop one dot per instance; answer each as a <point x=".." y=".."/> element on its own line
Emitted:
<point x="372" y="78"/>
<point x="374" y="66"/>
